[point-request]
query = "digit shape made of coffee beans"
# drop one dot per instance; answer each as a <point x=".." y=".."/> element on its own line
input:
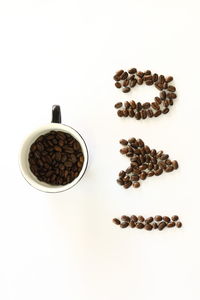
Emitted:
<point x="144" y="163"/>
<point x="160" y="105"/>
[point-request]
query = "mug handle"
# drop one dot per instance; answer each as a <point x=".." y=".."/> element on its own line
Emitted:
<point x="56" y="114"/>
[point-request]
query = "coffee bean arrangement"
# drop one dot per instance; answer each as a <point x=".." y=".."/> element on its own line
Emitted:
<point x="56" y="158"/>
<point x="150" y="223"/>
<point x="144" y="163"/>
<point x="160" y="105"/>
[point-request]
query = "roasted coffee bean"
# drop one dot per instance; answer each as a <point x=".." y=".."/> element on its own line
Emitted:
<point x="159" y="86"/>
<point x="155" y="77"/>
<point x="157" y="114"/>
<point x="149" y="220"/>
<point x="169" y="169"/>
<point x="171" y="102"/>
<point x="118" y="105"/>
<point x="150" y="113"/>
<point x="120" y="113"/>
<point x="132" y="71"/>
<point x="147" y="72"/>
<point x="148" y="227"/>
<point x="116" y="221"/>
<point x="125" y="82"/>
<point x="131" y="112"/>
<point x="140" y="225"/>
<point x="162" y="225"/>
<point x="138" y="115"/>
<point x="125" y="113"/>
<point x="140" y="74"/>
<point x="158" y="218"/>
<point x="125" y="218"/>
<point x="124" y="75"/>
<point x="141" y="219"/>
<point x="124" y="224"/>
<point x="158" y="172"/>
<point x="119" y="73"/>
<point x="166" y="219"/>
<point x="179" y="224"/>
<point x="163" y="95"/>
<point x="146" y="105"/>
<point x="48" y="159"/>
<point x="138" y="106"/>
<point x="133" y="83"/>
<point x="127" y="184"/>
<point x="135" y="177"/>
<point x="149" y="82"/>
<point x="171" y="88"/>
<point x="136" y="184"/>
<point x="173" y="96"/>
<point x="155" y="225"/>
<point x="134" y="218"/>
<point x="175" y="164"/>
<point x="132" y="77"/>
<point x="126" y="179"/>
<point x="144" y="114"/>
<point x="124" y="150"/>
<point x="161" y="79"/>
<point x="120" y="181"/>
<point x="116" y="78"/>
<point x="140" y="81"/>
<point x="118" y="85"/>
<point x="165" y="85"/>
<point x="126" y="104"/>
<point x="133" y="104"/>
<point x="168" y="162"/>
<point x="158" y="100"/>
<point x="126" y="89"/>
<point x="175" y="218"/>
<point x="132" y="224"/>
<point x="165" y="111"/>
<point x="169" y="79"/>
<point x="172" y="224"/>
<point x="129" y="170"/>
<point x="123" y="142"/>
<point x="155" y="105"/>
<point x="122" y="174"/>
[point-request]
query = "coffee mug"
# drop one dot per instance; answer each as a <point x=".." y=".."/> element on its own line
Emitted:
<point x="25" y="148"/>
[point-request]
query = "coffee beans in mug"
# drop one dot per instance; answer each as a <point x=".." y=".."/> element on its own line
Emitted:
<point x="56" y="158"/>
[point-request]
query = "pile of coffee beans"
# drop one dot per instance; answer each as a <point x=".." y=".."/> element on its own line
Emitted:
<point x="56" y="158"/>
<point x="161" y="103"/>
<point x="144" y="162"/>
<point x="158" y="222"/>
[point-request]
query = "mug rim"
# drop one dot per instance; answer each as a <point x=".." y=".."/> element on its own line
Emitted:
<point x="47" y="188"/>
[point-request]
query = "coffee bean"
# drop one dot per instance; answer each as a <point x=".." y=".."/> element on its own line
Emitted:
<point x="116" y="221"/>
<point x="172" y="224"/>
<point x="126" y="90"/>
<point x="120" y="113"/>
<point x="124" y="224"/>
<point x="120" y="181"/>
<point x="161" y="79"/>
<point x="150" y="113"/>
<point x="126" y="83"/>
<point x="162" y="225"/>
<point x="138" y="106"/>
<point x="149" y="82"/>
<point x="132" y="224"/>
<point x="148" y="227"/>
<point x="157" y="114"/>
<point x="173" y="96"/>
<point x="147" y="72"/>
<point x="127" y="184"/>
<point x="138" y="115"/>
<point x="140" y="74"/>
<point x="149" y="220"/>
<point x="166" y="219"/>
<point x="118" y="105"/>
<point x="171" y="102"/>
<point x="158" y="218"/>
<point x="143" y="175"/>
<point x="131" y="113"/>
<point x="146" y="105"/>
<point x="135" y="177"/>
<point x="158" y="100"/>
<point x="159" y="86"/>
<point x="125" y="218"/>
<point x="123" y="142"/>
<point x="136" y="184"/>
<point x="155" y="225"/>
<point x="179" y="224"/>
<point x="140" y="218"/>
<point x="124" y="150"/>
<point x="133" y="104"/>
<point x="163" y="95"/>
<point x="126" y="104"/>
<point x="125" y="113"/>
<point x="175" y="164"/>
<point x="175" y="218"/>
<point x="140" y="225"/>
<point x="118" y="85"/>
<point x="124" y="75"/>
<point x="119" y="73"/>
<point x="144" y="114"/>
<point x="165" y="111"/>
<point x="171" y="88"/>
<point x="169" y="79"/>
<point x="116" y="78"/>
<point x="129" y="170"/>
<point x="168" y="162"/>
<point x="140" y="81"/>
<point x="134" y="218"/>
<point x="133" y="82"/>
<point x="132" y="71"/>
<point x="155" y="77"/>
<point x="158" y="172"/>
<point x="122" y="174"/>
<point x="155" y="105"/>
<point x="169" y="169"/>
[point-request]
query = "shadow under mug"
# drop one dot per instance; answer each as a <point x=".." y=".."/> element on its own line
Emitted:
<point x="25" y="148"/>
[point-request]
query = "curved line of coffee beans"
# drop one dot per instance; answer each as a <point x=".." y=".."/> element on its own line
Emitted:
<point x="139" y="222"/>
<point x="145" y="162"/>
<point x="159" y="106"/>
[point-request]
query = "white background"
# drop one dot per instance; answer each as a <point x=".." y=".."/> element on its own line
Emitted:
<point x="64" y="246"/>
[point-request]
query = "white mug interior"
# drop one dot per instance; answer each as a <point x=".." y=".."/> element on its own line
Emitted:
<point x="24" y="163"/>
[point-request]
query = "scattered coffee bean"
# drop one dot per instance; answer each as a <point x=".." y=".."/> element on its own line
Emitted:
<point x="141" y="219"/>
<point x="136" y="184"/>
<point x="134" y="218"/>
<point x="172" y="224"/>
<point x="132" y="224"/>
<point x="166" y="219"/>
<point x="149" y="220"/>
<point x="140" y="225"/>
<point x="162" y="225"/>
<point x="158" y="218"/>
<point x="56" y="158"/>
<point x="116" y="221"/>
<point x="175" y="218"/>
<point x="118" y="85"/>
<point x="124" y="224"/>
<point x="125" y="218"/>
<point x="118" y="104"/>
<point x="126" y="90"/>
<point x="179" y="224"/>
<point x="155" y="225"/>
<point x="148" y="227"/>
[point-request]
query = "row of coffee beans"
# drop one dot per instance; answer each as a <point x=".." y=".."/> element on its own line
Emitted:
<point x="56" y="158"/>
<point x="158" y="222"/>
<point x="144" y="162"/>
<point x="139" y="111"/>
<point x="128" y="80"/>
